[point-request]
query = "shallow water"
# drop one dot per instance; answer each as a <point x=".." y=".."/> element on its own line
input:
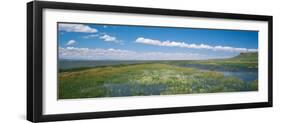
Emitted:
<point x="246" y="74"/>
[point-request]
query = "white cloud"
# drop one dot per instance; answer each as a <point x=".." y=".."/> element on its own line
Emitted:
<point x="118" y="54"/>
<point x="77" y="28"/>
<point x="109" y="38"/>
<point x="104" y="37"/>
<point x="147" y="41"/>
<point x="91" y="36"/>
<point x="70" y="42"/>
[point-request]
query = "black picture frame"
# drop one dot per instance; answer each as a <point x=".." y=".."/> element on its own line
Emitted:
<point x="35" y="69"/>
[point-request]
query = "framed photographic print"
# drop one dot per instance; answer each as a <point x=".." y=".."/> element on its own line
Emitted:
<point x="96" y="61"/>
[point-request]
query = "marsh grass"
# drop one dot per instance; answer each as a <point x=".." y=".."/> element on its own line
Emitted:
<point x="140" y="78"/>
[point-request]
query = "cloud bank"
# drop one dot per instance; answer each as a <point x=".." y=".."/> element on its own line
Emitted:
<point x="147" y="41"/>
<point x="118" y="54"/>
<point x="76" y="28"/>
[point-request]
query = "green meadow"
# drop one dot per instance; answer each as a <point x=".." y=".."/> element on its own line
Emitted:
<point x="235" y="74"/>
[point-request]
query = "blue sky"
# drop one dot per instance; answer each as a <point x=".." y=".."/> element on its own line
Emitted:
<point x="121" y="42"/>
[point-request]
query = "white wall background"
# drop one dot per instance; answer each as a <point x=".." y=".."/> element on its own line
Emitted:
<point x="13" y="61"/>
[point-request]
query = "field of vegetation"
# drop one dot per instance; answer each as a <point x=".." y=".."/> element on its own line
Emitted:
<point x="160" y="78"/>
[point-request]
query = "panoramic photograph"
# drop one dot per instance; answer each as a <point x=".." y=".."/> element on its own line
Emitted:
<point x="103" y="60"/>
